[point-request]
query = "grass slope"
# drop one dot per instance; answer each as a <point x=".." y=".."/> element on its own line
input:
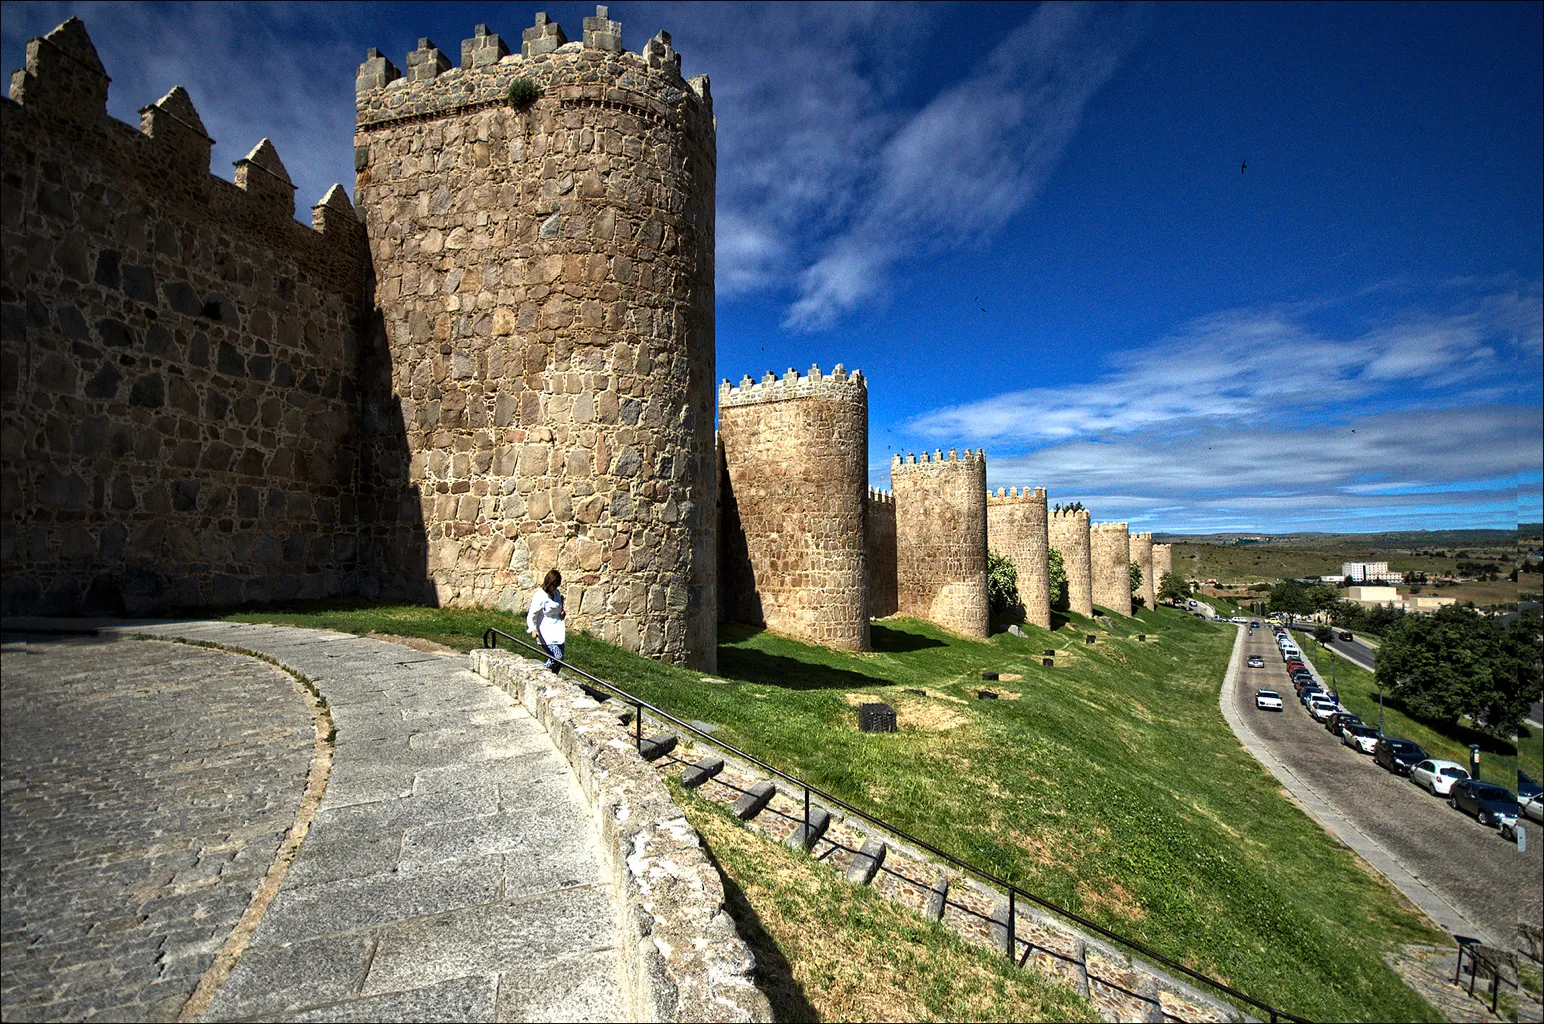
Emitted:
<point x="830" y="950"/>
<point x="1109" y="783"/>
<point x="1499" y="759"/>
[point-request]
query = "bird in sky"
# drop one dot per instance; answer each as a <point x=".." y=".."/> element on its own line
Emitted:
<point x="1242" y="166"/>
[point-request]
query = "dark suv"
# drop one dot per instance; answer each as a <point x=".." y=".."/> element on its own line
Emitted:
<point x="1398" y="756"/>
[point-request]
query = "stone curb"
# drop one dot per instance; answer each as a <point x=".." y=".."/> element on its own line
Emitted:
<point x="687" y="962"/>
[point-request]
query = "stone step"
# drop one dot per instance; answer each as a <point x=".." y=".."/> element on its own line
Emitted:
<point x="867" y="862"/>
<point x="805" y="838"/>
<point x="701" y="772"/>
<point x="755" y="801"/>
<point x="658" y="745"/>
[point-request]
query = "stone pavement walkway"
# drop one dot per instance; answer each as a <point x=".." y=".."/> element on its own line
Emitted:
<point x="145" y="789"/>
<point x="452" y="872"/>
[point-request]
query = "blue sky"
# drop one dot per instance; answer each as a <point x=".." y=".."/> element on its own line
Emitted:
<point x="1029" y="227"/>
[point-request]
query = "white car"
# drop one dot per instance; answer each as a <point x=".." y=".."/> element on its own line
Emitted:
<point x="1267" y="700"/>
<point x="1533" y="807"/>
<point x="1255" y="661"/>
<point x="1322" y="709"/>
<point x="1361" y="738"/>
<point x="1437" y="777"/>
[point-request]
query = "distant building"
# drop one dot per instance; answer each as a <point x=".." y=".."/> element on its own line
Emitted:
<point x="1374" y="597"/>
<point x="1425" y="604"/>
<point x="1370" y="572"/>
<point x="1332" y="579"/>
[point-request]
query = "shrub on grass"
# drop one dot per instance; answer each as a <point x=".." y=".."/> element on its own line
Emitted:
<point x="1002" y="584"/>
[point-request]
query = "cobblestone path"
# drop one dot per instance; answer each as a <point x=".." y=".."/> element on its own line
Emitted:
<point x="452" y="872"/>
<point x="146" y="787"/>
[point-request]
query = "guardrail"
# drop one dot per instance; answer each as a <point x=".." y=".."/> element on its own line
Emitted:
<point x="1015" y="893"/>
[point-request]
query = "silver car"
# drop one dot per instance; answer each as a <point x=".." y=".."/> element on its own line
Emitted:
<point x="1437" y="777"/>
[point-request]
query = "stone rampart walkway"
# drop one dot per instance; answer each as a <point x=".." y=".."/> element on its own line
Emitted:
<point x="452" y="871"/>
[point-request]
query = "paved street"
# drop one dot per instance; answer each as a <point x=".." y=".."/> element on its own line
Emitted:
<point x="1472" y="868"/>
<point x="146" y="789"/>
<point x="452" y="871"/>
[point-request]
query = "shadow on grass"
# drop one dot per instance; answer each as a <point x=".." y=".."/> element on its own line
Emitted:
<point x="895" y="641"/>
<point x="755" y="666"/>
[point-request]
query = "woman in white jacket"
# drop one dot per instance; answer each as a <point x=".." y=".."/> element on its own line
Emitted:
<point x="545" y="619"/>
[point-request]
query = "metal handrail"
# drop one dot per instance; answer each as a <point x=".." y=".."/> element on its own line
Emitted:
<point x="490" y="641"/>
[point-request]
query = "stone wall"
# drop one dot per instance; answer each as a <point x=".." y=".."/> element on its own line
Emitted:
<point x="940" y="540"/>
<point x="879" y="544"/>
<point x="1110" y="554"/>
<point x="795" y="484"/>
<point x="179" y="362"/>
<point x="1142" y="554"/>
<point x="1163" y="563"/>
<point x="545" y="284"/>
<point x="1016" y="528"/>
<point x="1069" y="534"/>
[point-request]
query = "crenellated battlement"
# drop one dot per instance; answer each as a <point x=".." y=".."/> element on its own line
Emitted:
<point x="64" y="81"/>
<point x="1121" y="528"/>
<point x="1071" y="515"/>
<point x="1014" y="494"/>
<point x="1141" y="536"/>
<point x="595" y="71"/>
<point x="974" y="459"/>
<point x="880" y="496"/>
<point x="793" y="385"/>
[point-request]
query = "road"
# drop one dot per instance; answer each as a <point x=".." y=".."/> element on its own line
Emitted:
<point x="1354" y="651"/>
<point x="1470" y="867"/>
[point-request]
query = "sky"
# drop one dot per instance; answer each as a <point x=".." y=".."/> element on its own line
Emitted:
<point x="1205" y="268"/>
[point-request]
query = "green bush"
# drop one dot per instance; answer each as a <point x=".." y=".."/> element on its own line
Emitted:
<point x="1002" y="584"/>
<point x="523" y="92"/>
<point x="1057" y="580"/>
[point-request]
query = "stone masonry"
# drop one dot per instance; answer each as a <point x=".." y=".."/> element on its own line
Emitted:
<point x="879" y="542"/>
<point x="1016" y="529"/>
<point x="1163" y="563"/>
<point x="1069" y="534"/>
<point x="796" y="481"/>
<point x="1110" y="554"/>
<point x="1142" y="554"/>
<point x="178" y="359"/>
<point x="544" y="277"/>
<point x="940" y="540"/>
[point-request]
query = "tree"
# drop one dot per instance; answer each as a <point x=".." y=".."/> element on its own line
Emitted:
<point x="1074" y="506"/>
<point x="1136" y="577"/>
<point x="1002" y="584"/>
<point x="1323" y="634"/>
<point x="1057" y="580"/>
<point x="1458" y="662"/>
<point x="1173" y="588"/>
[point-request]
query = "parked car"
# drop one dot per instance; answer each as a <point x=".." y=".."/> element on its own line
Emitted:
<point x="1532" y="807"/>
<point x="1526" y="787"/>
<point x="1322" y="708"/>
<point x="1437" y="777"/>
<point x="1339" y="720"/>
<point x="1267" y="700"/>
<point x="1362" y="738"/>
<point x="1255" y="661"/>
<point x="1398" y="755"/>
<point x="1308" y="694"/>
<point x="1488" y="802"/>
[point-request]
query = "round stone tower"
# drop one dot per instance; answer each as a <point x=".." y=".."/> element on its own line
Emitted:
<point x="940" y="540"/>
<point x="1069" y="534"/>
<point x="1163" y="564"/>
<point x="796" y="480"/>
<point x="1110" y="552"/>
<point x="1142" y="554"/>
<point x="541" y="228"/>
<point x="1016" y="529"/>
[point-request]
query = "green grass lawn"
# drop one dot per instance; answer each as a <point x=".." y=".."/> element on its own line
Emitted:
<point x="1499" y="759"/>
<point x="1109" y="783"/>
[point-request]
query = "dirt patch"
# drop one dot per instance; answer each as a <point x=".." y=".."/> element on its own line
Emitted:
<point x="416" y="643"/>
<point x="915" y="714"/>
<point x="1112" y="898"/>
<point x="1010" y="677"/>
